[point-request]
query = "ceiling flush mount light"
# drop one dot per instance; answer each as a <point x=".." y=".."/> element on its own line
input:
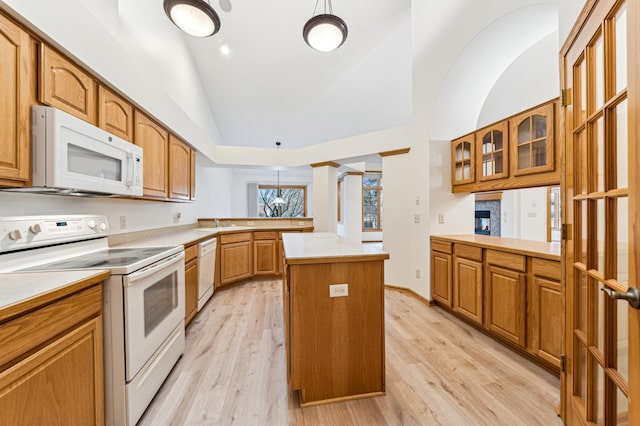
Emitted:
<point x="195" y="17"/>
<point x="325" y="32"/>
<point x="278" y="200"/>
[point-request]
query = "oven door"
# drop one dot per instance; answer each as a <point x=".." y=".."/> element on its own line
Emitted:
<point x="153" y="307"/>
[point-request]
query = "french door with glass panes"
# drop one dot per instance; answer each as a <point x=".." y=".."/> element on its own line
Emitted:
<point x="601" y="86"/>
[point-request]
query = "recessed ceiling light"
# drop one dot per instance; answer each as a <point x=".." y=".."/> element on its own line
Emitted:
<point x="224" y="49"/>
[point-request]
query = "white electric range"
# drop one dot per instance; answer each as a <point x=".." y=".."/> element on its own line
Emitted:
<point x="143" y="300"/>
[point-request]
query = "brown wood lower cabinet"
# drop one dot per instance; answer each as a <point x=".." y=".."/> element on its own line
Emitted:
<point x="441" y="277"/>
<point x="190" y="283"/>
<point x="236" y="261"/>
<point x="546" y="311"/>
<point x="506" y="303"/>
<point x="51" y="367"/>
<point x="516" y="297"/>
<point x="467" y="288"/>
<point x="265" y="253"/>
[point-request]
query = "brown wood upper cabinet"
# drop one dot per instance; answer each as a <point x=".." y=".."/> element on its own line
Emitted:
<point x="516" y="152"/>
<point x="154" y="141"/>
<point x="192" y="191"/>
<point x="66" y="86"/>
<point x="115" y="115"/>
<point x="493" y="152"/>
<point x="179" y="169"/>
<point x="463" y="160"/>
<point x="532" y="141"/>
<point x="17" y="69"/>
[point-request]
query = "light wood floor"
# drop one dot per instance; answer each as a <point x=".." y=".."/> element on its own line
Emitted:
<point x="440" y="371"/>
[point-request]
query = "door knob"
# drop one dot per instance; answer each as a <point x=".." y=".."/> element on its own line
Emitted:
<point x="632" y="296"/>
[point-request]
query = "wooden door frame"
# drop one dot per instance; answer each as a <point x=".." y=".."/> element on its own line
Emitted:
<point x="582" y="28"/>
<point x="633" y="102"/>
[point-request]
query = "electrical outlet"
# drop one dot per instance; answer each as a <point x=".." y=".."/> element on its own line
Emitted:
<point x="440" y="218"/>
<point x="416" y="218"/>
<point x="301" y="222"/>
<point x="417" y="273"/>
<point x="123" y="222"/>
<point x="176" y="217"/>
<point x="249" y="223"/>
<point x="417" y="200"/>
<point x="338" y="290"/>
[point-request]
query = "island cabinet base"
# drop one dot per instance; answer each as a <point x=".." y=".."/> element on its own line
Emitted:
<point x="335" y="345"/>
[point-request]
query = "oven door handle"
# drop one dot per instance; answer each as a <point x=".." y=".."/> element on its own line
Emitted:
<point x="145" y="272"/>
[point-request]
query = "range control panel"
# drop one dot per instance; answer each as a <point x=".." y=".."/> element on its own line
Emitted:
<point x="24" y="232"/>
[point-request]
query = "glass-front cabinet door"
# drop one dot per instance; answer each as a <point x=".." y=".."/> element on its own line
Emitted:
<point x="462" y="160"/>
<point x="492" y="151"/>
<point x="532" y="138"/>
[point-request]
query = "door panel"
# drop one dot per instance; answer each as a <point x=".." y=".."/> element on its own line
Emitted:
<point x="600" y="186"/>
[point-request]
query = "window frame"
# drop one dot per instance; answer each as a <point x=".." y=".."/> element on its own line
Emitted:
<point x="372" y="188"/>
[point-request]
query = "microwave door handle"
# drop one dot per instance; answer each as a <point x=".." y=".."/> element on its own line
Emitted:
<point x="145" y="272"/>
<point x="129" y="181"/>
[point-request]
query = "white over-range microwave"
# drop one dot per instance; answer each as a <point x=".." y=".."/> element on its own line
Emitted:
<point x="71" y="156"/>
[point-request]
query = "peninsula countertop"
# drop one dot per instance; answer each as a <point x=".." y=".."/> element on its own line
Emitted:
<point x="539" y="249"/>
<point x="327" y="247"/>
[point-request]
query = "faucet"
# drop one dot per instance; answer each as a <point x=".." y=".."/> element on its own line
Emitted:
<point x="217" y="223"/>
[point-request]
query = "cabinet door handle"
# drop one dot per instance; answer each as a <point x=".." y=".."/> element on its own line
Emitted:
<point x="632" y="295"/>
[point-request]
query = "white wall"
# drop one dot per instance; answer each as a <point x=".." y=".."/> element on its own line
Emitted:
<point x="397" y="225"/>
<point x="352" y="209"/>
<point x="530" y="80"/>
<point x="455" y="210"/>
<point x="524" y="214"/>
<point x="213" y="192"/>
<point x="325" y="199"/>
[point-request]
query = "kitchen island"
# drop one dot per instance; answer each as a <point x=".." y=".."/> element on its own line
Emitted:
<point x="334" y="318"/>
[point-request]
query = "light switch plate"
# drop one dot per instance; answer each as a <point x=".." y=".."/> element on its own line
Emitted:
<point x="338" y="290"/>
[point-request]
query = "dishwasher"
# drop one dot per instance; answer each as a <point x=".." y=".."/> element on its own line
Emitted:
<point x="206" y="270"/>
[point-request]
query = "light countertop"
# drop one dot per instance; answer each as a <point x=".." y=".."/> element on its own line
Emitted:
<point x="187" y="237"/>
<point x="324" y="247"/>
<point x="20" y="287"/>
<point x="526" y="247"/>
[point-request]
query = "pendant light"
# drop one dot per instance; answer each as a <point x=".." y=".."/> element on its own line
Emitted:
<point x="195" y="17"/>
<point x="278" y="201"/>
<point x="325" y="32"/>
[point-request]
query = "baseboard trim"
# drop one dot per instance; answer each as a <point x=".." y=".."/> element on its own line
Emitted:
<point x="410" y="292"/>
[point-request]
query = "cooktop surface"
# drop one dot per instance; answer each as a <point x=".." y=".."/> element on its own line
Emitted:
<point x="107" y="259"/>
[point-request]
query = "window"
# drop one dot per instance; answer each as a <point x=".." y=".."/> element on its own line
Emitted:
<point x="340" y="183"/>
<point x="294" y="196"/>
<point x="372" y="201"/>
<point x="554" y="221"/>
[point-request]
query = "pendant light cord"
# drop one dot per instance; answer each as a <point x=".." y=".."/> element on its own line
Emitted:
<point x="325" y="2"/>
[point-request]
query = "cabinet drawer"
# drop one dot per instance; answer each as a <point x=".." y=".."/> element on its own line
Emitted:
<point x="31" y="330"/>
<point x="516" y="262"/>
<point x="190" y="253"/>
<point x="265" y="235"/>
<point x="235" y="238"/>
<point x="547" y="268"/>
<point x="468" y="252"/>
<point x="441" y="246"/>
